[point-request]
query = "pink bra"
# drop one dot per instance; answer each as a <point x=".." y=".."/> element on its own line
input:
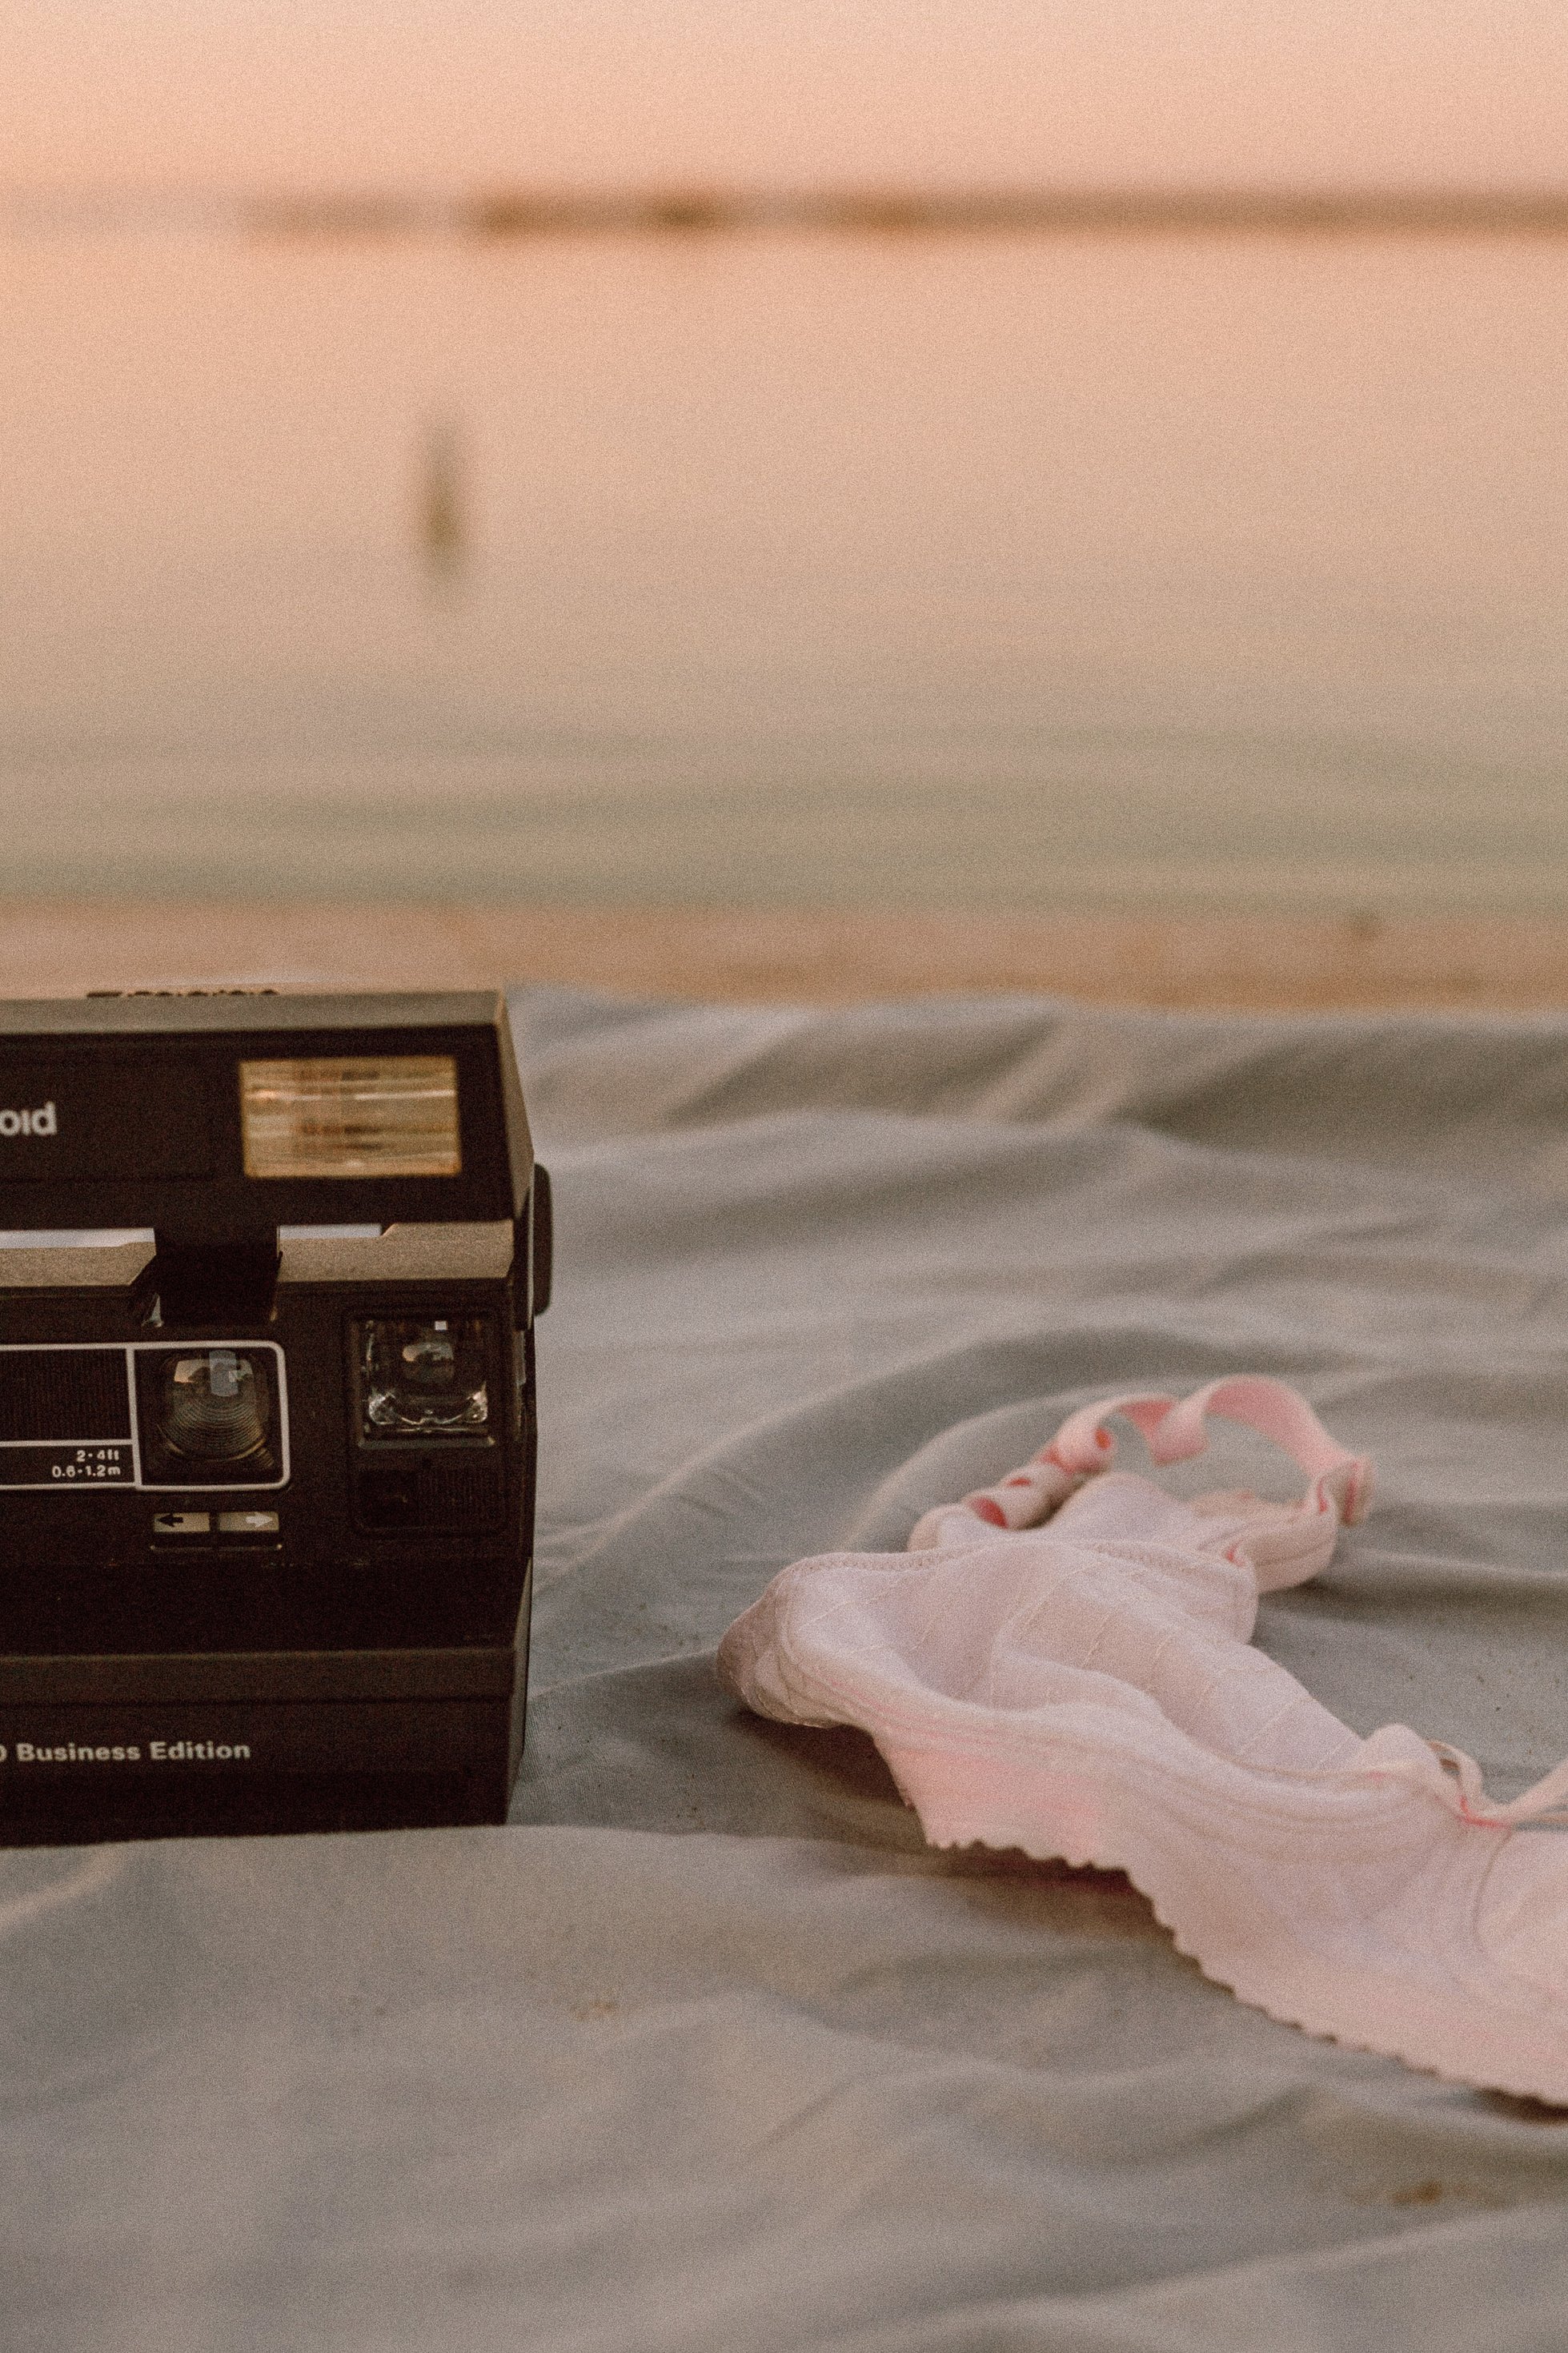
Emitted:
<point x="1063" y="1662"/>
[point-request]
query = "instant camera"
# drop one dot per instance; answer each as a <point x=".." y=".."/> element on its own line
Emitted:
<point x="267" y="1449"/>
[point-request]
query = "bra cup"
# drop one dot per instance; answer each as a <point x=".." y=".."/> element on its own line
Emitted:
<point x="1089" y="1690"/>
<point x="1120" y="1506"/>
<point x="1020" y="1624"/>
<point x="1521" y="1911"/>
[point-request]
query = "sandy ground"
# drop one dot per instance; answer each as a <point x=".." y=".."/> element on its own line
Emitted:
<point x="1256" y="962"/>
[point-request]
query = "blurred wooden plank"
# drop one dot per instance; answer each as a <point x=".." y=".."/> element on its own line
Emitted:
<point x="1245" y="962"/>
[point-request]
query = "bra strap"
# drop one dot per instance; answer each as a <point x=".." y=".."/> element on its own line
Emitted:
<point x="1173" y="1431"/>
<point x="1282" y="1414"/>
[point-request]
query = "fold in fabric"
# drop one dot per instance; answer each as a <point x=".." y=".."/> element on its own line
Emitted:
<point x="1063" y="1663"/>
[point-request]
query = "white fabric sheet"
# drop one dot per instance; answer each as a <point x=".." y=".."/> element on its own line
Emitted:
<point x="706" y="2050"/>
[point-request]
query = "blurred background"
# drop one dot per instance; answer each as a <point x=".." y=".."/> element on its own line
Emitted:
<point x="994" y="460"/>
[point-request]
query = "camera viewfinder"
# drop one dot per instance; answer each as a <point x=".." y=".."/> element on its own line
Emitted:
<point x="424" y="1378"/>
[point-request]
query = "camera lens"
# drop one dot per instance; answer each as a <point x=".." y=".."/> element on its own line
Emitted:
<point x="214" y="1408"/>
<point x="425" y="1379"/>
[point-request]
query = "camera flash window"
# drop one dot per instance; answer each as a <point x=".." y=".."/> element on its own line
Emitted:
<point x="320" y="1116"/>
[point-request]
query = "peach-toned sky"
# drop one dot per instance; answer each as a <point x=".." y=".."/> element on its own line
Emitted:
<point x="444" y="92"/>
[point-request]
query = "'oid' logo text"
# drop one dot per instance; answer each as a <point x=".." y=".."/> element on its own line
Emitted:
<point x="29" y="1122"/>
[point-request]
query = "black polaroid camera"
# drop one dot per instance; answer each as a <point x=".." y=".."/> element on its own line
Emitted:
<point x="266" y="1459"/>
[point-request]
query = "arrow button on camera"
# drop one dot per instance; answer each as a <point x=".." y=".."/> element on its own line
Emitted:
<point x="182" y="1523"/>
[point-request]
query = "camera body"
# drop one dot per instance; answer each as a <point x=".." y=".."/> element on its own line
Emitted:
<point x="267" y="1447"/>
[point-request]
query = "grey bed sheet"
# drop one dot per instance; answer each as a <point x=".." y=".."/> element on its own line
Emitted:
<point x="706" y="2050"/>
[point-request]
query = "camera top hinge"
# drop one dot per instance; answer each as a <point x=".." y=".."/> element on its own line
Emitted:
<point x="200" y="1283"/>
